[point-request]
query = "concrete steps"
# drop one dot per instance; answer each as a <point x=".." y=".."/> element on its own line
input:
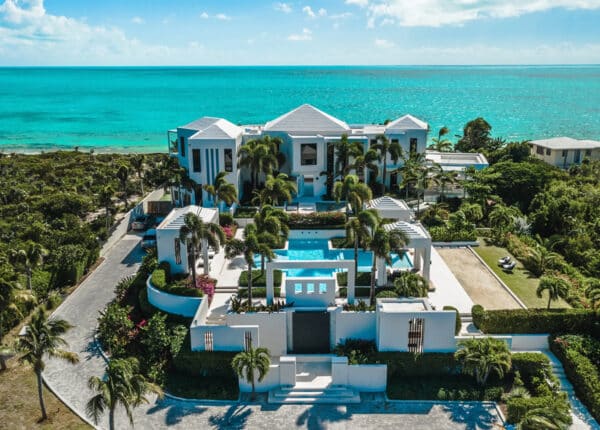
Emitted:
<point x="306" y="395"/>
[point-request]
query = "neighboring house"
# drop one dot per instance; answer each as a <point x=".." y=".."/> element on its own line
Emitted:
<point x="565" y="151"/>
<point x="209" y="145"/>
<point x="453" y="162"/>
<point x="170" y="248"/>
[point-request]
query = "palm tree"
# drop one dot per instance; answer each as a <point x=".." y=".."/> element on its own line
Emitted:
<point x="410" y="169"/>
<point x="411" y="285"/>
<point x="501" y="219"/>
<point x="356" y="193"/>
<point x="540" y="259"/>
<point x="247" y="364"/>
<point x="358" y="230"/>
<point x="123" y="176"/>
<point x="592" y="292"/>
<point x="27" y="259"/>
<point x="195" y="233"/>
<point x="277" y="189"/>
<point x="42" y="339"/>
<point x="555" y="417"/>
<point x="439" y="144"/>
<point x="384" y="147"/>
<point x="382" y="243"/>
<point x="105" y="200"/>
<point x="557" y="288"/>
<point x="124" y="385"/>
<point x="424" y="178"/>
<point x="259" y="158"/>
<point x="368" y="161"/>
<point x="344" y="149"/>
<point x="247" y="247"/>
<point x="137" y="162"/>
<point x="480" y="357"/>
<point x="272" y="220"/>
<point x="445" y="178"/>
<point x="11" y="295"/>
<point x="222" y="190"/>
<point x="273" y="144"/>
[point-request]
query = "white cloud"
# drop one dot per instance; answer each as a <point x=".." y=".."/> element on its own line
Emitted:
<point x="383" y="43"/>
<point x="282" y="7"/>
<point x="204" y="15"/>
<point x="137" y="20"/>
<point x="223" y="17"/>
<point x="361" y="3"/>
<point x="436" y="13"/>
<point x="308" y="11"/>
<point x="322" y="12"/>
<point x="305" y="35"/>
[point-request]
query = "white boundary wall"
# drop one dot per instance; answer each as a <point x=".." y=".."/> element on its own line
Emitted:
<point x="316" y="234"/>
<point x="355" y="325"/>
<point x="271" y="381"/>
<point x="272" y="328"/>
<point x="225" y="338"/>
<point x="179" y="305"/>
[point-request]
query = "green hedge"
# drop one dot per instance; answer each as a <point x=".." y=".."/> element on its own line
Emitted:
<point x="457" y="322"/>
<point x="159" y="281"/>
<point x="527" y="321"/>
<point x="407" y="364"/>
<point x="340" y="242"/>
<point x="442" y="388"/>
<point x="579" y="368"/>
<point x="317" y="220"/>
<point x="517" y="407"/>
<point x="204" y="363"/>
<point x="363" y="279"/>
<point x="245" y="212"/>
<point x="445" y="234"/>
<point x="257" y="292"/>
<point x="535" y="369"/>
<point x="386" y="294"/>
<point x="259" y="279"/>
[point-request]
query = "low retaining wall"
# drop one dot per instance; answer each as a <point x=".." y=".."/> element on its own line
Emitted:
<point x="361" y="377"/>
<point x="455" y="244"/>
<point x="316" y="234"/>
<point x="271" y="381"/>
<point x="179" y="305"/>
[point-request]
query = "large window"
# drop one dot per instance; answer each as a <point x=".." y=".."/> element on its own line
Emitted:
<point x="540" y="150"/>
<point x="228" y="156"/>
<point x="588" y="152"/>
<point x="308" y="154"/>
<point x="413" y="145"/>
<point x="548" y="151"/>
<point x="196" y="160"/>
<point x="565" y="152"/>
<point x="182" y="145"/>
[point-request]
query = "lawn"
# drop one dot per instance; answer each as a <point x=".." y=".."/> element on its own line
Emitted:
<point x="522" y="282"/>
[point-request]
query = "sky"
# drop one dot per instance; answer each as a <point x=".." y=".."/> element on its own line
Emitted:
<point x="328" y="32"/>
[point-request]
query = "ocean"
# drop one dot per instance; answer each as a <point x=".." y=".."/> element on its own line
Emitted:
<point x="131" y="109"/>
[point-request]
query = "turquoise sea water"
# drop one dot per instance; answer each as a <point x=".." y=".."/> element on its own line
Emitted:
<point x="130" y="109"/>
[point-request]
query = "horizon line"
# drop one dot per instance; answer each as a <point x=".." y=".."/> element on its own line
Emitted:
<point x="305" y="65"/>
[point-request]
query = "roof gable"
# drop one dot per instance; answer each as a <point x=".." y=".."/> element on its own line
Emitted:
<point x="306" y="118"/>
<point x="221" y="129"/>
<point x="200" y="123"/>
<point x="407" y="122"/>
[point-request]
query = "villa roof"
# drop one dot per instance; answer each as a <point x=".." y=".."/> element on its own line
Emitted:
<point x="448" y="160"/>
<point x="566" y="143"/>
<point x="407" y="122"/>
<point x="220" y="129"/>
<point x="175" y="219"/>
<point x="306" y="118"/>
<point x="387" y="202"/>
<point x="413" y="230"/>
<point x="200" y="123"/>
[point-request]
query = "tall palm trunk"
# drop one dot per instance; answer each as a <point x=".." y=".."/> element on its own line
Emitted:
<point x="205" y="256"/>
<point x="249" y="287"/>
<point x="193" y="255"/>
<point x="107" y="219"/>
<point x="373" y="270"/>
<point x="111" y="418"/>
<point x="40" y="384"/>
<point x="355" y="257"/>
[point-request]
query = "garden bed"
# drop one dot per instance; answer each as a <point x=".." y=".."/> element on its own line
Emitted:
<point x="259" y="279"/>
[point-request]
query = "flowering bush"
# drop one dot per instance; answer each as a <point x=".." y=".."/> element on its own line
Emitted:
<point x="207" y="285"/>
<point x="229" y="231"/>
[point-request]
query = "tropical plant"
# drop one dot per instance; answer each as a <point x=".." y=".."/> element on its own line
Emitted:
<point x="382" y="243"/>
<point x="114" y="328"/>
<point x="411" y="285"/>
<point x="247" y="247"/>
<point x="369" y="160"/>
<point x="444" y="178"/>
<point x="540" y="260"/>
<point x="277" y="189"/>
<point x="259" y="158"/>
<point x="556" y="287"/>
<point x="549" y="417"/>
<point x="480" y="357"/>
<point x="222" y="190"/>
<point x="105" y="200"/>
<point x="439" y="144"/>
<point x="353" y="191"/>
<point x="196" y="233"/>
<point x="344" y="151"/>
<point x="122" y="175"/>
<point x="137" y="162"/>
<point x="592" y="292"/>
<point x="42" y="339"/>
<point x="476" y="135"/>
<point x="11" y="295"/>
<point x="358" y="230"/>
<point x="501" y="218"/>
<point x="252" y="364"/>
<point x="122" y="385"/>
<point x="27" y="258"/>
<point x="384" y="147"/>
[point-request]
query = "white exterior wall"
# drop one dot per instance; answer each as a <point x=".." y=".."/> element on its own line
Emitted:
<point x="368" y="377"/>
<point x="271" y="381"/>
<point x="556" y="158"/>
<point x="355" y="325"/>
<point x="316" y="234"/>
<point x="165" y="243"/>
<point x="392" y="330"/>
<point x="271" y="326"/>
<point x="179" y="305"/>
<point x="225" y="338"/>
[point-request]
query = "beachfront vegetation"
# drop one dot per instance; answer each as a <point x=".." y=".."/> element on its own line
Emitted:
<point x="56" y="210"/>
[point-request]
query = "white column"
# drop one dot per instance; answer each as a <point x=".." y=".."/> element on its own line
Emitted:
<point x="381" y="272"/>
<point x="287" y="371"/>
<point x="426" y="261"/>
<point x="339" y="371"/>
<point x="417" y="258"/>
<point x="350" y="287"/>
<point x="270" y="289"/>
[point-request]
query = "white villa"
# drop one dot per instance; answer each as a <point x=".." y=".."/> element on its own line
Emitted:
<point x="565" y="151"/>
<point x="210" y="145"/>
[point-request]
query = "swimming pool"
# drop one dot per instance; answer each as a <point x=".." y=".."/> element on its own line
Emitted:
<point x="318" y="249"/>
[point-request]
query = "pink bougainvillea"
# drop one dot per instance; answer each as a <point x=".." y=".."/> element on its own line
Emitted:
<point x="228" y="230"/>
<point x="207" y="285"/>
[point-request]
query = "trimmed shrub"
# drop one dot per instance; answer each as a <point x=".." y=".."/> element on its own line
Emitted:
<point x="358" y="351"/>
<point x="259" y="279"/>
<point x="445" y="234"/>
<point x="257" y="292"/>
<point x="317" y="220"/>
<point x="204" y="363"/>
<point x="340" y="242"/>
<point x="523" y="321"/>
<point x="386" y="294"/>
<point x="245" y="212"/>
<point x="407" y="364"/>
<point x="178" y="288"/>
<point x="443" y="388"/>
<point x="225" y="219"/>
<point x="517" y="407"/>
<point x="159" y="279"/>
<point x="535" y="369"/>
<point x="166" y="267"/>
<point x="362" y="278"/>
<point x="458" y="322"/>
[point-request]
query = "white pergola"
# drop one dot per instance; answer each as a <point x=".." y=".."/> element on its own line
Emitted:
<point x="389" y="207"/>
<point x="419" y="240"/>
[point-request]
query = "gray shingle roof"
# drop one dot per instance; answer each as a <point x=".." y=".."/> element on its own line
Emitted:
<point x="306" y="118"/>
<point x="566" y="143"/>
<point x="407" y="122"/>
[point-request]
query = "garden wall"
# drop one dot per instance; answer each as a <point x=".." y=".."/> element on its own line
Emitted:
<point x="179" y="305"/>
<point x="316" y="234"/>
<point x="271" y="326"/>
<point x="225" y="338"/>
<point x="355" y="325"/>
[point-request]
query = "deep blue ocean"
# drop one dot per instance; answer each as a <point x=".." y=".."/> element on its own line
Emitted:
<point x="130" y="109"/>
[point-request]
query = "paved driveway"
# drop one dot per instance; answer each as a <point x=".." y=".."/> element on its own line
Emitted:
<point x="69" y="382"/>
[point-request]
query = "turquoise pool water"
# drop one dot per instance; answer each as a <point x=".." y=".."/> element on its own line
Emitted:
<point x="318" y="249"/>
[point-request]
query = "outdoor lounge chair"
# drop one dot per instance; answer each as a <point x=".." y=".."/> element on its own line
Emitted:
<point x="504" y="260"/>
<point x="509" y="266"/>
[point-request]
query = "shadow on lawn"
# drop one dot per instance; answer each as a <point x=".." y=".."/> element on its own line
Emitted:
<point x="474" y="415"/>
